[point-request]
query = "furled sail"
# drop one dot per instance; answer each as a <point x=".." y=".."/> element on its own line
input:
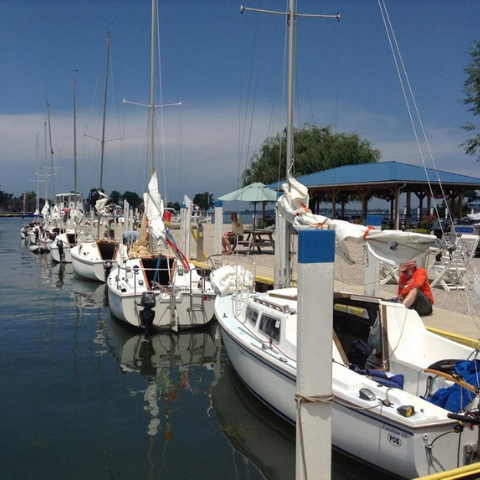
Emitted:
<point x="154" y="209"/>
<point x="389" y="246"/>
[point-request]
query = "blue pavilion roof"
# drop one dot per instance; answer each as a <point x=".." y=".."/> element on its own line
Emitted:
<point x="381" y="173"/>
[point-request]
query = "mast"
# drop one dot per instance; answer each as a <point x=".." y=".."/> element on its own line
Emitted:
<point x="102" y="141"/>
<point x="291" y="19"/>
<point x="152" y="87"/>
<point x="45" y="157"/>
<point x="282" y="273"/>
<point x="37" y="174"/>
<point x="51" y="150"/>
<point x="75" y="139"/>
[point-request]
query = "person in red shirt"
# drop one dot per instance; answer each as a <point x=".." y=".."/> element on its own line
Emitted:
<point x="414" y="288"/>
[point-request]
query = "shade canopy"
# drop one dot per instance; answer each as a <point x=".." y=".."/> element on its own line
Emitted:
<point x="255" y="192"/>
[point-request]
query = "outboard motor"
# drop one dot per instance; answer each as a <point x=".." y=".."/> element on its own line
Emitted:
<point x="147" y="314"/>
<point x="60" y="249"/>
<point x="108" y="267"/>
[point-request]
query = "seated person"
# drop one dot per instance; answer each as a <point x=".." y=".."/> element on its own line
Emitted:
<point x="414" y="288"/>
<point x="229" y="240"/>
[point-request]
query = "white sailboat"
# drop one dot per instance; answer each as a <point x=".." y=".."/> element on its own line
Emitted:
<point x="152" y="290"/>
<point x="94" y="256"/>
<point x="397" y="403"/>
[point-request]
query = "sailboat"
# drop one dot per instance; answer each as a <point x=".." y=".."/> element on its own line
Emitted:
<point x="400" y="403"/>
<point x="95" y="255"/>
<point x="152" y="290"/>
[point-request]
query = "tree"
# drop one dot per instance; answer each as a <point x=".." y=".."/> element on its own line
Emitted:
<point x="133" y="199"/>
<point x="315" y="149"/>
<point x="4" y="197"/>
<point x="115" y="197"/>
<point x="175" y="205"/>
<point x="471" y="88"/>
<point x="202" y="200"/>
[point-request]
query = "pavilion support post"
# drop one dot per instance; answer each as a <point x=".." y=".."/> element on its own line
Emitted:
<point x="461" y="196"/>
<point x="408" y="209"/>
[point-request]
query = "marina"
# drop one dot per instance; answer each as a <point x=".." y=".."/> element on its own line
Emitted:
<point x="84" y="397"/>
<point x="145" y="338"/>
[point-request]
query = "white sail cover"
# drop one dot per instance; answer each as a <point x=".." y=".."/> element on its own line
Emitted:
<point x="46" y="212"/>
<point x="389" y="246"/>
<point x="101" y="203"/>
<point x="230" y="279"/>
<point x="154" y="209"/>
<point x="56" y="219"/>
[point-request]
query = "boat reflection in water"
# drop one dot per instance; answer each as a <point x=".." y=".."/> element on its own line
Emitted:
<point x="88" y="294"/>
<point x="167" y="362"/>
<point x="264" y="439"/>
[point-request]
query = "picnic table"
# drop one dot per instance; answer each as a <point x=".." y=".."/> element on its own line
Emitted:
<point x="257" y="239"/>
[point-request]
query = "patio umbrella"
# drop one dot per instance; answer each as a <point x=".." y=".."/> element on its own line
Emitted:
<point x="253" y="193"/>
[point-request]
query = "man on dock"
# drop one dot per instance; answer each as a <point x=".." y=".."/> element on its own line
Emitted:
<point x="414" y="288"/>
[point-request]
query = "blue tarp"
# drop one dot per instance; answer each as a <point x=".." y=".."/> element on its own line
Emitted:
<point x="456" y="397"/>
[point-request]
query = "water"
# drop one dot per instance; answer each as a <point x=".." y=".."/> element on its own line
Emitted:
<point x="84" y="397"/>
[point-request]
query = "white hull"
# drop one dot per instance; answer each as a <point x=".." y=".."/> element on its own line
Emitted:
<point x="189" y="301"/>
<point x="373" y="433"/>
<point x="61" y="246"/>
<point x="90" y="263"/>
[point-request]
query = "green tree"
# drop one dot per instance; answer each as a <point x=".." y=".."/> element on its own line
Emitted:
<point x="4" y="197"/>
<point x="175" y="205"/>
<point x="115" y="197"/>
<point x="471" y="88"/>
<point x="132" y="198"/>
<point x="315" y="149"/>
<point x="202" y="200"/>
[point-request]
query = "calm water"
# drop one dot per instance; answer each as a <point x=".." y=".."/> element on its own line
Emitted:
<point x="84" y="397"/>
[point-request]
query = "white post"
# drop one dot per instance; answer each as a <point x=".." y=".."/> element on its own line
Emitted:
<point x="186" y="222"/>
<point x="126" y="217"/>
<point x="217" y="244"/>
<point x="316" y="251"/>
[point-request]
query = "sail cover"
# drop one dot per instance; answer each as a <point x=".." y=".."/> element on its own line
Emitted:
<point x="389" y="246"/>
<point x="154" y="209"/>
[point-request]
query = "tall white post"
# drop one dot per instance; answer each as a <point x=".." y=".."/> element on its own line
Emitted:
<point x="217" y="244"/>
<point x="316" y="252"/>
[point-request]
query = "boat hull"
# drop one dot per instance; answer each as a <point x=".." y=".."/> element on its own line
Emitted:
<point x="402" y="448"/>
<point x="188" y="301"/>
<point x="90" y="263"/>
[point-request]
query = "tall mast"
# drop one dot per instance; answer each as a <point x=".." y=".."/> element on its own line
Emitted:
<point x="75" y="139"/>
<point x="152" y="86"/>
<point x="51" y="149"/>
<point x="291" y="19"/>
<point x="45" y="157"/>
<point x="37" y="175"/>
<point x="104" y="110"/>
<point x="282" y="274"/>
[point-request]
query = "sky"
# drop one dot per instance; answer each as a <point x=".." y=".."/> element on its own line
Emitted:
<point x="228" y="71"/>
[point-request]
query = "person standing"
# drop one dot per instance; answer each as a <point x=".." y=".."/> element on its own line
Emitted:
<point x="414" y="288"/>
<point x="230" y="239"/>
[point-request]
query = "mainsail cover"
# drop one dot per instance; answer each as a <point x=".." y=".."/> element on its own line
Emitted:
<point x="154" y="209"/>
<point x="389" y="246"/>
<point x="101" y="203"/>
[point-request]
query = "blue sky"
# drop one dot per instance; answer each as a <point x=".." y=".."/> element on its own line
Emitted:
<point x="227" y="70"/>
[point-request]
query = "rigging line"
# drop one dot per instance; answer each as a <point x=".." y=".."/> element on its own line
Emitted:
<point x="254" y="72"/>
<point x="390" y="33"/>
